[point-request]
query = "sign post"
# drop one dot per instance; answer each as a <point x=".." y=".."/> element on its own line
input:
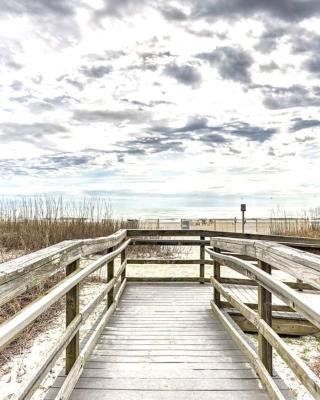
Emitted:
<point x="243" y="210"/>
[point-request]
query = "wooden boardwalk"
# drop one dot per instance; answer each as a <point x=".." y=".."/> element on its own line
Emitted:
<point x="164" y="342"/>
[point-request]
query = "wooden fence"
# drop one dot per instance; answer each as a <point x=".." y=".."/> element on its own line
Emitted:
<point x="269" y="255"/>
<point x="24" y="273"/>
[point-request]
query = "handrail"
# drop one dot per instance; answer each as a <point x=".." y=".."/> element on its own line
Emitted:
<point x="9" y="329"/>
<point x="274" y="285"/>
<point x="68" y="286"/>
<point x="214" y="233"/>
<point x="301" y="265"/>
<point x="23" y="273"/>
<point x="262" y="320"/>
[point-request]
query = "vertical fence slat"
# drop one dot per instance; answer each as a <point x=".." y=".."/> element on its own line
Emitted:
<point x="265" y="312"/>
<point x="72" y="310"/>
<point x="202" y="256"/>
<point x="110" y="267"/>
<point x="217" y="276"/>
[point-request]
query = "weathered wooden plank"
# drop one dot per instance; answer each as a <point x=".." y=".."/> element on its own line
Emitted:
<point x="169" y="242"/>
<point x="209" y="366"/>
<point x="165" y="279"/>
<point x="274" y="285"/>
<point x="200" y="347"/>
<point x="23" y="273"/>
<point x="202" y="264"/>
<point x="162" y="384"/>
<point x="265" y="313"/>
<point x="110" y="268"/>
<point x="96" y="394"/>
<point x="165" y="371"/>
<point x="167" y="359"/>
<point x="299" y="264"/>
<point x="167" y="261"/>
<point x="282" y="326"/>
<point x="10" y="329"/>
<point x="165" y="347"/>
<point x="72" y="311"/>
<point x="76" y="370"/>
<point x="210" y="233"/>
<point x="272" y="388"/>
<point x="300" y="369"/>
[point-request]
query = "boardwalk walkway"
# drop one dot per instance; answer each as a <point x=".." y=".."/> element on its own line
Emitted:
<point x="164" y="342"/>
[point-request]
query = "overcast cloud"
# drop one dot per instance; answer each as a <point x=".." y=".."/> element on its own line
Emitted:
<point x="161" y="97"/>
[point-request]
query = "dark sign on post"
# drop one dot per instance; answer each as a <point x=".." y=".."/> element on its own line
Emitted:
<point x="243" y="207"/>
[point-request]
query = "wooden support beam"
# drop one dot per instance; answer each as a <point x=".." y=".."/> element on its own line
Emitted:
<point x="202" y="256"/>
<point x="110" y="267"/>
<point x="123" y="259"/>
<point x="72" y="311"/>
<point x="265" y="313"/>
<point x="217" y="276"/>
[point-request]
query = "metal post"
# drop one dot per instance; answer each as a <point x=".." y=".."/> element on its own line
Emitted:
<point x="243" y="209"/>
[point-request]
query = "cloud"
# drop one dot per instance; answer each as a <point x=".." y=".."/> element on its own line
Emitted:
<point x="276" y="97"/>
<point x="286" y="10"/>
<point x="119" y="8"/>
<point x="133" y="116"/>
<point x="51" y="164"/>
<point x="150" y="104"/>
<point x="34" y="133"/>
<point x="232" y="63"/>
<point x="271" y="66"/>
<point x="185" y="74"/>
<point x="251" y="132"/>
<point x="271" y="36"/>
<point x="151" y="144"/>
<point x="55" y="19"/>
<point x="300" y="124"/>
<point x="213" y="139"/>
<point x="173" y="13"/>
<point x="98" y="71"/>
<point x="198" y="128"/>
<point x="38" y="7"/>
<point x="76" y="83"/>
<point x="312" y="65"/>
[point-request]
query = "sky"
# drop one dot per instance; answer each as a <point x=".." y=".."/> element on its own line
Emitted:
<point x="213" y="102"/>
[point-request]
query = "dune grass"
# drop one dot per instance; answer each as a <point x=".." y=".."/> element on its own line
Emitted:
<point x="307" y="224"/>
<point x="33" y="223"/>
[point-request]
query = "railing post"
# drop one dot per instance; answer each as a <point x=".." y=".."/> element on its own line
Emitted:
<point x="202" y="256"/>
<point x="110" y="268"/>
<point x="123" y="259"/>
<point x="217" y="276"/>
<point x="72" y="310"/>
<point x="265" y="312"/>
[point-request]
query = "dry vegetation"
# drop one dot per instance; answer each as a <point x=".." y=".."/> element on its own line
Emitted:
<point x="30" y="224"/>
<point x="33" y="223"/>
<point x="307" y="224"/>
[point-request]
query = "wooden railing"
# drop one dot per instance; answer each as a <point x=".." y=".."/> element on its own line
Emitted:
<point x="269" y="255"/>
<point x="21" y="274"/>
<point x="24" y="273"/>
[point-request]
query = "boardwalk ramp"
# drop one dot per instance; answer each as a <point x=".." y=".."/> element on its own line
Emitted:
<point x="164" y="342"/>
